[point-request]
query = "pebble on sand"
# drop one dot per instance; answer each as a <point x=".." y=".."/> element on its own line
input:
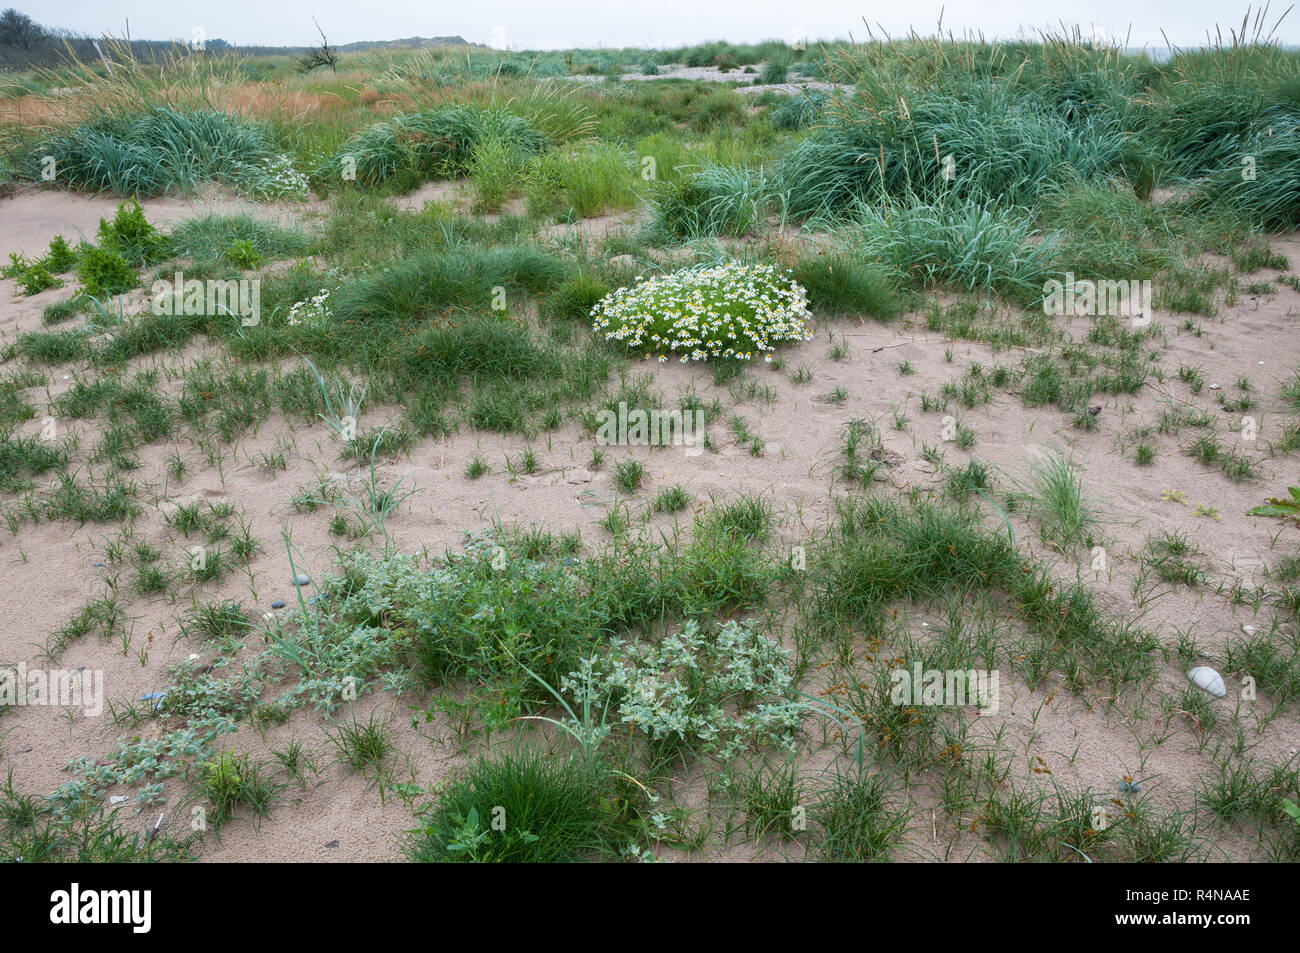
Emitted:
<point x="1208" y="679"/>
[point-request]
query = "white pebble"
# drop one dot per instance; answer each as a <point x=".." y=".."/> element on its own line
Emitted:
<point x="1207" y="678"/>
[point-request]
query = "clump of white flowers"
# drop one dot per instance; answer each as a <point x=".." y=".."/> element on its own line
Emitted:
<point x="313" y="312"/>
<point x="724" y="687"/>
<point x="277" y="178"/>
<point x="725" y="311"/>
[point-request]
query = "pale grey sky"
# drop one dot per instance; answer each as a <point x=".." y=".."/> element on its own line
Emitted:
<point x="540" y="24"/>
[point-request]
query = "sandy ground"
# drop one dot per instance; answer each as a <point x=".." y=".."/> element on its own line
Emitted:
<point x="51" y="568"/>
<point x="34" y="216"/>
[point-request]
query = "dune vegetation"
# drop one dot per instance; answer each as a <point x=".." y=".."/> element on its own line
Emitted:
<point x="319" y="479"/>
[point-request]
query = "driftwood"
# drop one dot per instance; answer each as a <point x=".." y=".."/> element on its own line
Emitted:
<point x="325" y="56"/>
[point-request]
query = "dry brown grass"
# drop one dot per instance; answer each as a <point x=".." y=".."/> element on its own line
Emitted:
<point x="85" y="89"/>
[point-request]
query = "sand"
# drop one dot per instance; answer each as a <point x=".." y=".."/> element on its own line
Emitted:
<point x="51" y="568"/>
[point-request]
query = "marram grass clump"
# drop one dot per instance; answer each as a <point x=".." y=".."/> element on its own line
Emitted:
<point x="732" y="311"/>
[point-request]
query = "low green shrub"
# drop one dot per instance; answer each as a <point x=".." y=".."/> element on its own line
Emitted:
<point x="104" y="272"/>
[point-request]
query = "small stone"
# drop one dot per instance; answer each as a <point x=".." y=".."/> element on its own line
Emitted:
<point x="1214" y="387"/>
<point x="301" y="579"/>
<point x="118" y="799"/>
<point x="1206" y="678"/>
<point x="1095" y="410"/>
<point x="332" y="844"/>
<point x="1248" y="629"/>
<point x="277" y="604"/>
<point x="1130" y="787"/>
<point x="156" y="697"/>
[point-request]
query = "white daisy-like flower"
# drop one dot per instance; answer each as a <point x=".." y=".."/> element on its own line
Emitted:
<point x="733" y="310"/>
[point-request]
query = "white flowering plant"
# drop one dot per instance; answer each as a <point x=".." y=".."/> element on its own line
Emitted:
<point x="313" y="312"/>
<point x="276" y="178"/>
<point x="731" y="311"/>
<point x="724" y="687"/>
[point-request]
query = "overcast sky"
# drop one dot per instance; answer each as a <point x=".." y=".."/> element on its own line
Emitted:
<point x="542" y="24"/>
